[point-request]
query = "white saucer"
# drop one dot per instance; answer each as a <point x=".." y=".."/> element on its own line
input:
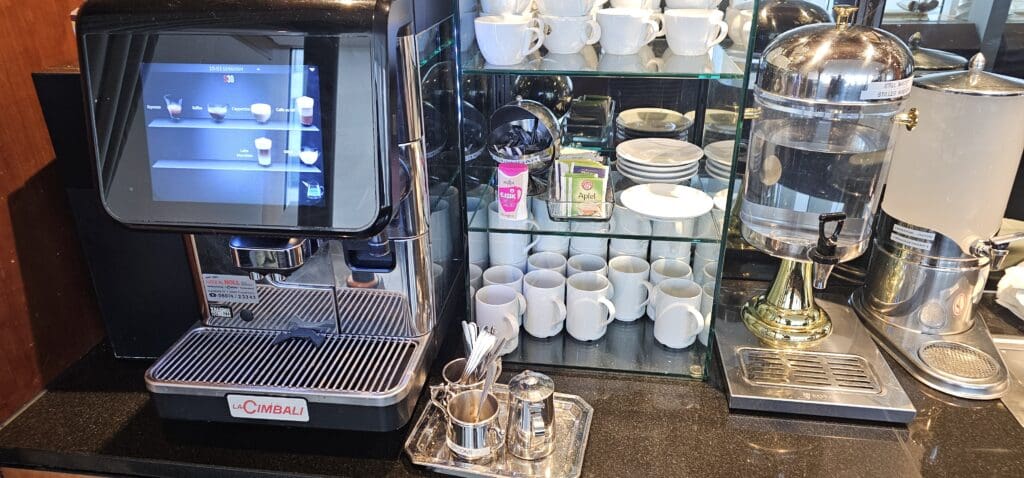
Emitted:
<point x="688" y="172"/>
<point x="653" y="120"/>
<point x="667" y="202"/>
<point x="720" y="152"/>
<point x="659" y="152"/>
<point x="657" y="169"/>
<point x="643" y="180"/>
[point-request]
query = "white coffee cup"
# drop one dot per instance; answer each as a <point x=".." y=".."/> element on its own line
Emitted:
<point x="628" y="223"/>
<point x="707" y="297"/>
<point x="693" y="31"/>
<point x="505" y="7"/>
<point x="505" y="275"/>
<point x="502" y="308"/>
<point x="440" y="231"/>
<point x="508" y="39"/>
<point x="545" y="303"/>
<point x="567" y="8"/>
<point x="740" y="24"/>
<point x="263" y="146"/>
<point x="708" y="273"/>
<point x="676" y="4"/>
<point x="663" y="269"/>
<point x="305" y="106"/>
<point x="549" y="243"/>
<point x="586" y="263"/>
<point x="625" y="30"/>
<point x="628" y="275"/>
<point x="705" y="333"/>
<point x="551" y="261"/>
<point x="507" y="247"/>
<point x="567" y="35"/>
<point x="476" y="215"/>
<point x="597" y="246"/>
<point x="677" y="310"/>
<point x="476" y="277"/>
<point x="589" y="310"/>
<point x="260" y="111"/>
<point x="467" y="32"/>
<point x="639" y="4"/>
<point x="672" y="249"/>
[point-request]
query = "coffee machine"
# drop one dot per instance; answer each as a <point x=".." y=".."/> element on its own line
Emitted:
<point x="305" y="148"/>
<point x="828" y="98"/>
<point x="937" y="235"/>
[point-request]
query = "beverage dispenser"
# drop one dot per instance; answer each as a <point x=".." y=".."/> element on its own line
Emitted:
<point x="829" y="98"/>
<point x="936" y="237"/>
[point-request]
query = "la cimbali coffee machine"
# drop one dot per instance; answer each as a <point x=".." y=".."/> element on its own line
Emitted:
<point x="828" y="99"/>
<point x="317" y="176"/>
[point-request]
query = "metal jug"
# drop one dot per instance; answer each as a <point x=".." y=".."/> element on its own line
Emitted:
<point x="531" y="424"/>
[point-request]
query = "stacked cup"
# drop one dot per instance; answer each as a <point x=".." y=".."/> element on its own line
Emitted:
<point x="507" y="32"/>
<point x="629" y="26"/>
<point x="569" y="25"/>
<point x="692" y="27"/>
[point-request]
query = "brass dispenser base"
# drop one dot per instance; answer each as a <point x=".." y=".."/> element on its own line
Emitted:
<point x="786" y="315"/>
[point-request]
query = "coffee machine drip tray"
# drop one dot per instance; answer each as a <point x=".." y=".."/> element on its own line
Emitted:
<point x="841" y="376"/>
<point x="346" y="381"/>
<point x="966" y="365"/>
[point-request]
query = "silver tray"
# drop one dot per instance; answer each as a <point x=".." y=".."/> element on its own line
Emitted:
<point x="426" y="444"/>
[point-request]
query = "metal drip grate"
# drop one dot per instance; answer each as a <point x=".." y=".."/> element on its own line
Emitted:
<point x="810" y="370"/>
<point x="245" y="359"/>
<point x="958" y="360"/>
<point x="373" y="312"/>
<point x="277" y="307"/>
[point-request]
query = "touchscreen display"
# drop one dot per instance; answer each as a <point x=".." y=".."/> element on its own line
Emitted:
<point x="234" y="134"/>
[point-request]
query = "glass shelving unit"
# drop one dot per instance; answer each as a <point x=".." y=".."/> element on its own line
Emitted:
<point x="704" y="88"/>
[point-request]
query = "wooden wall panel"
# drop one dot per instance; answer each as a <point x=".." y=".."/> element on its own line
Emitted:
<point x="48" y="316"/>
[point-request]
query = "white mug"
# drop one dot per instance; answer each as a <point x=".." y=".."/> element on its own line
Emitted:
<point x="707" y="297"/>
<point x="639" y="4"/>
<point x="545" y="303"/>
<point x="551" y="261"/>
<point x="628" y="275"/>
<point x="672" y="249"/>
<point x="663" y="269"/>
<point x="440" y="231"/>
<point x="628" y="223"/>
<point x="677" y="308"/>
<point x="566" y="35"/>
<point x="500" y="307"/>
<point x="693" y="31"/>
<point x="476" y="216"/>
<point x="506" y="275"/>
<point x="509" y="247"/>
<point x="597" y="246"/>
<point x="586" y="263"/>
<point x="508" y="39"/>
<point x="740" y="23"/>
<point x="625" y="30"/>
<point x="589" y="311"/>
<point x="505" y="7"/>
<point x="549" y="243"/>
<point x="567" y="8"/>
<point x="704" y="253"/>
<point x="709" y="273"/>
<point x="476" y="276"/>
<point x="705" y="4"/>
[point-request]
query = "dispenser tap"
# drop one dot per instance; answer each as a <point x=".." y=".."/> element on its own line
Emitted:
<point x="824" y="254"/>
<point x="996" y="248"/>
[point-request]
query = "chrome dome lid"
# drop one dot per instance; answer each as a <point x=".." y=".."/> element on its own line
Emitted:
<point x="975" y="81"/>
<point x="928" y="60"/>
<point x="841" y="63"/>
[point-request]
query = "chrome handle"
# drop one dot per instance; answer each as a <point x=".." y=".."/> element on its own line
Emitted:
<point x="409" y="76"/>
<point x="537" y="426"/>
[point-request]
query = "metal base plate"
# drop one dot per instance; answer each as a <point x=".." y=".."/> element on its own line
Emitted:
<point x="842" y="376"/>
<point x="966" y="365"/>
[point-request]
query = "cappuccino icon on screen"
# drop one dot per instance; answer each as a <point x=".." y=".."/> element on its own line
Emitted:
<point x="305" y="106"/>
<point x="260" y="111"/>
<point x="263" y="146"/>
<point x="173" y="107"/>
<point x="217" y="111"/>
<point x="308" y="156"/>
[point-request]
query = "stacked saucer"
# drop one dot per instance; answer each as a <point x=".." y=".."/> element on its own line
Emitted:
<point x="652" y="123"/>
<point x="658" y="160"/>
<point x="718" y="159"/>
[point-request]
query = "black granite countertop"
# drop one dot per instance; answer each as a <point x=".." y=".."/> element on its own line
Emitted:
<point x="97" y="418"/>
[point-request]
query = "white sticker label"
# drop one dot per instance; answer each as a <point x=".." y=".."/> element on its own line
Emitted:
<point x="230" y="288"/>
<point x="884" y="90"/>
<point x="268" y="408"/>
<point x="912" y="238"/>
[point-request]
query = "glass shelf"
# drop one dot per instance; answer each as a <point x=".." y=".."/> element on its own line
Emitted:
<point x="704" y="229"/>
<point x="654" y="61"/>
<point x="235" y="124"/>
<point x="626" y="346"/>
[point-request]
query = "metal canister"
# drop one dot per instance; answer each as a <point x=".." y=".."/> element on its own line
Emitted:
<point x="531" y="424"/>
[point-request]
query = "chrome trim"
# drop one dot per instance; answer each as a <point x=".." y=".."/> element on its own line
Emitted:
<point x="287" y="256"/>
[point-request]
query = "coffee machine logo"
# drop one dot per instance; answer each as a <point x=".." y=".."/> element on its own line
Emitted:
<point x="268" y="408"/>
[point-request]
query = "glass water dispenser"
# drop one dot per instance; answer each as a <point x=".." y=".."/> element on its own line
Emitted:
<point x="829" y="98"/>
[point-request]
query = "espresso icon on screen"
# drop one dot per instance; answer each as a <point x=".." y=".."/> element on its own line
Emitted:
<point x="263" y="146"/>
<point x="305" y="106"/>
<point x="173" y="107"/>
<point x="260" y="111"/>
<point x="217" y="111"/>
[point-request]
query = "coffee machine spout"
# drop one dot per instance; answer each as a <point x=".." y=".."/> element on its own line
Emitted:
<point x="824" y="254"/>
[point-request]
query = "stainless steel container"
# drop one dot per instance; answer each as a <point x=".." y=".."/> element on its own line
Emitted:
<point x="929" y="60"/>
<point x="531" y="424"/>
<point x="473" y="429"/>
